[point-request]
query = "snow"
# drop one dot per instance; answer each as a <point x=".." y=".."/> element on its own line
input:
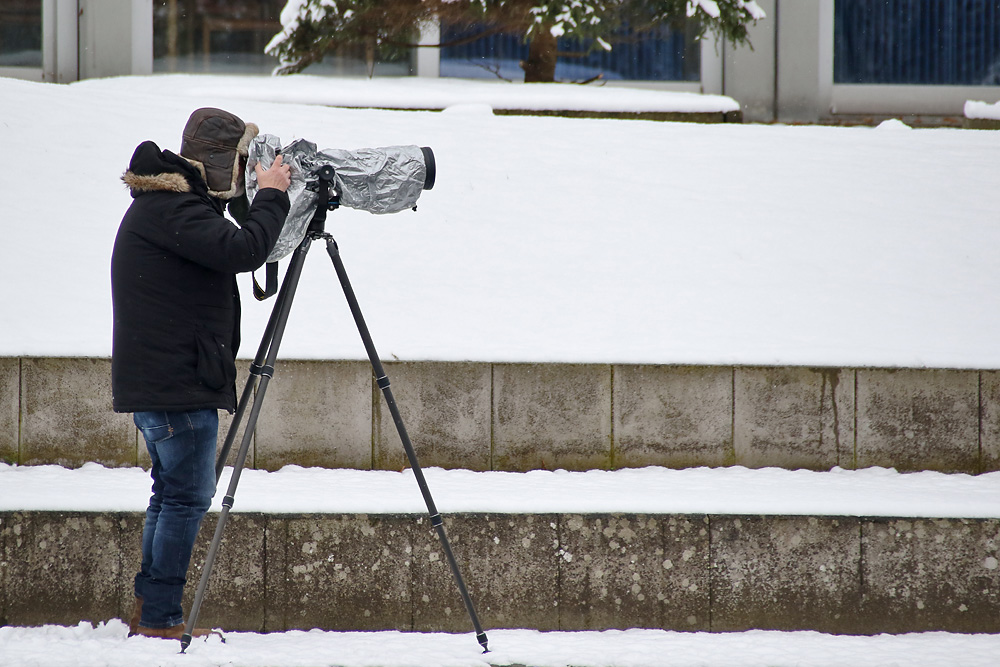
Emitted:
<point x="736" y="490"/>
<point x="982" y="110"/>
<point x="545" y="239"/>
<point x="892" y="124"/>
<point x="106" y="646"/>
<point x="418" y="93"/>
<point x="710" y="7"/>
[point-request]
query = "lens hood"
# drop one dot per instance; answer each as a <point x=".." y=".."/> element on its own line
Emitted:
<point x="429" y="166"/>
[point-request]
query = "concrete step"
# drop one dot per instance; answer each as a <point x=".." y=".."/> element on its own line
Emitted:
<point x="518" y="417"/>
<point x="553" y="571"/>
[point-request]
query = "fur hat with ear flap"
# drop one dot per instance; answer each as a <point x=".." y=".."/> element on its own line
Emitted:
<point x="214" y="141"/>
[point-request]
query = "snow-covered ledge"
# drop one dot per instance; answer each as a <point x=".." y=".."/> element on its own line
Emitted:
<point x="982" y="115"/>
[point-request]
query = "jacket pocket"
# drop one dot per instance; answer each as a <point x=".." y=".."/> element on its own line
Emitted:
<point x="216" y="366"/>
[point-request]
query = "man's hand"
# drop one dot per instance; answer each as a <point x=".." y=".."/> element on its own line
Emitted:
<point x="278" y="176"/>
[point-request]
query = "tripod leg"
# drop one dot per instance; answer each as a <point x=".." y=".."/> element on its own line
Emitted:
<point x="411" y="455"/>
<point x="266" y="372"/>
<point x="255" y="372"/>
<point x="234" y="426"/>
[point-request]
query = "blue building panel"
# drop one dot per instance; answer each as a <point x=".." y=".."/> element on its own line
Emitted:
<point x="662" y="54"/>
<point x="925" y="42"/>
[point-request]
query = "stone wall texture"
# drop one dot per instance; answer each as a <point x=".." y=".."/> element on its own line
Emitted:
<point x="846" y="575"/>
<point x="517" y="417"/>
<point x="545" y="571"/>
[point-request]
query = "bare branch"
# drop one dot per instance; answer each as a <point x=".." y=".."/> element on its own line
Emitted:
<point x="494" y="70"/>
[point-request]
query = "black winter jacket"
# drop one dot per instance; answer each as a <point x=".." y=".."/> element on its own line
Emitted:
<point x="173" y="286"/>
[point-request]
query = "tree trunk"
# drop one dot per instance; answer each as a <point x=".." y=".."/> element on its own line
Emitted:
<point x="370" y="56"/>
<point x="540" y="67"/>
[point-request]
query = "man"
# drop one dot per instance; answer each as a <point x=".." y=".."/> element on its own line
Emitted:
<point x="177" y="330"/>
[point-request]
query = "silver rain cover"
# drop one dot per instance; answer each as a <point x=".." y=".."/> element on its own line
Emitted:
<point x="377" y="180"/>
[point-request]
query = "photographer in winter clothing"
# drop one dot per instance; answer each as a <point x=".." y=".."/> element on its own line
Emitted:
<point x="177" y="330"/>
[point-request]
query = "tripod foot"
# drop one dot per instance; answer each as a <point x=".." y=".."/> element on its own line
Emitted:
<point x="483" y="641"/>
<point x="186" y="637"/>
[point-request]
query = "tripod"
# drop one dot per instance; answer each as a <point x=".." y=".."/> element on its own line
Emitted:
<point x="262" y="370"/>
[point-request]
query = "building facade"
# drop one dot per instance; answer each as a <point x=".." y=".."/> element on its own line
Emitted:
<point x="809" y="60"/>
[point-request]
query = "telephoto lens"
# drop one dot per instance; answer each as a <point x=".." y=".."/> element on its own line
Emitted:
<point x="377" y="180"/>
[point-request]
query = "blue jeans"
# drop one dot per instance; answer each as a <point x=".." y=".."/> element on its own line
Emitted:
<point x="182" y="448"/>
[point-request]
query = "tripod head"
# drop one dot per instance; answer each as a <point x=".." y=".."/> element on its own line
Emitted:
<point x="328" y="198"/>
<point x="324" y="185"/>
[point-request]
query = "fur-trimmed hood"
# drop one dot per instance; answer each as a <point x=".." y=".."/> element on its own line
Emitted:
<point x="153" y="170"/>
<point x="165" y="182"/>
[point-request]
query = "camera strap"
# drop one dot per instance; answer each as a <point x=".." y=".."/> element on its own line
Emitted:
<point x="270" y="282"/>
<point x="239" y="208"/>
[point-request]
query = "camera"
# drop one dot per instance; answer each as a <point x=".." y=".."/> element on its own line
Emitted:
<point x="377" y="180"/>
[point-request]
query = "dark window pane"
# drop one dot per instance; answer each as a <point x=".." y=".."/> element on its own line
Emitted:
<point x="948" y="42"/>
<point x="229" y="36"/>
<point x="665" y="53"/>
<point x="21" y="33"/>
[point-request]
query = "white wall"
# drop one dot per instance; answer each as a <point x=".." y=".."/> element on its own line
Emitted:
<point x="115" y="37"/>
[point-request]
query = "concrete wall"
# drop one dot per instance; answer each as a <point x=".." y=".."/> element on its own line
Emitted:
<point x="550" y="572"/>
<point x="786" y="73"/>
<point x="115" y="38"/>
<point x="749" y="74"/>
<point x="518" y="417"/>
<point x="60" y="41"/>
<point x="787" y="76"/>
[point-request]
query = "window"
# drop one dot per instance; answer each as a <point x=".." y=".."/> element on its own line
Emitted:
<point x="21" y="33"/>
<point x="950" y="42"/>
<point x="229" y="36"/>
<point x="666" y="53"/>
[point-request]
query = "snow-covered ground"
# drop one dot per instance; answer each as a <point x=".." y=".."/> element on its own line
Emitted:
<point x="107" y="646"/>
<point x="545" y="239"/>
<point x="735" y="490"/>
